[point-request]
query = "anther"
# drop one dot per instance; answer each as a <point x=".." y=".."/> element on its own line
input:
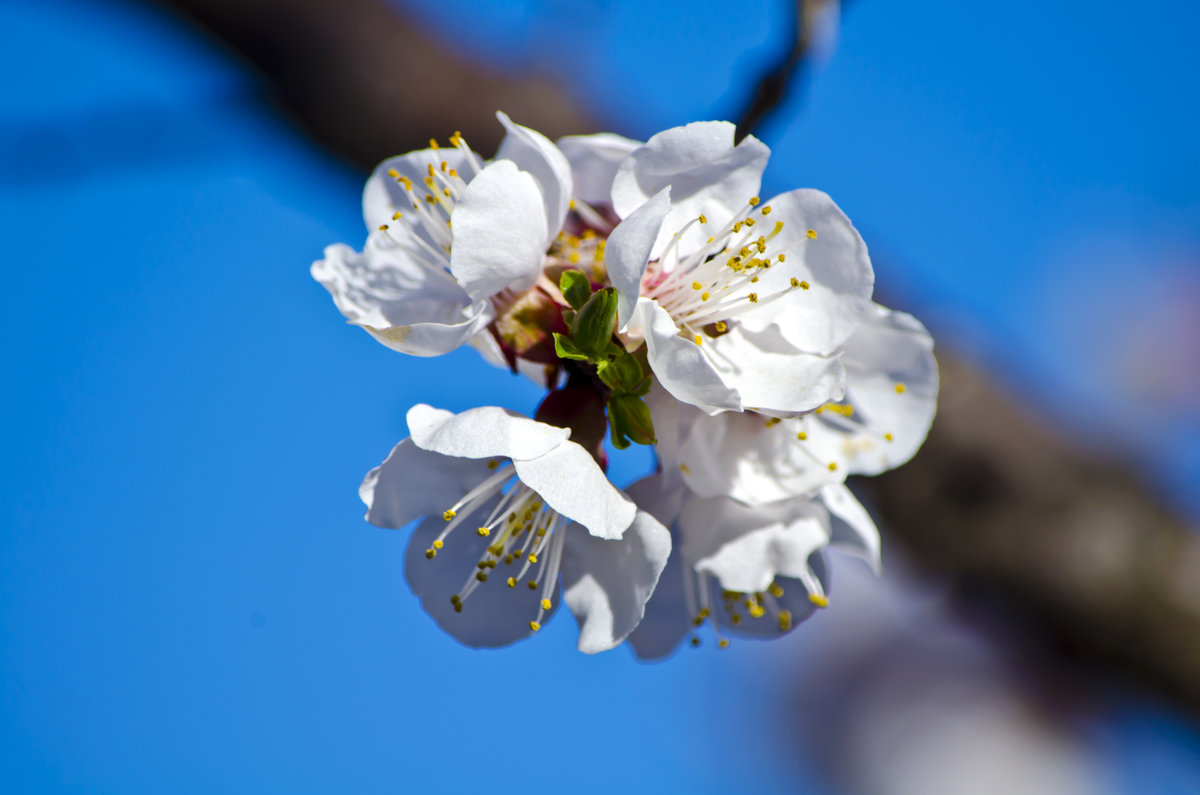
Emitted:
<point x="396" y="216"/>
<point x="775" y="589"/>
<point x="393" y="173"/>
<point x="511" y="582"/>
<point x="698" y="339"/>
<point x="766" y="210"/>
<point x="481" y="576"/>
<point x="753" y="298"/>
<point x="888" y="437"/>
<point x="702" y="219"/>
<point x="697" y="286"/>
<point x="535" y="626"/>
<point x="833" y="466"/>
<point x="721" y="326"/>
<point x="753" y="201"/>
<point x="430" y="553"/>
<point x="785" y="620"/>
<point x="532" y="585"/>
<point x="818" y="599"/>
<point x="448" y="514"/>
<point x="484" y="532"/>
<point x="900" y="389"/>
<point x="802" y="436"/>
<point x="812" y="234"/>
<point x="545" y="604"/>
<point x="383" y="227"/>
<point x="723" y="643"/>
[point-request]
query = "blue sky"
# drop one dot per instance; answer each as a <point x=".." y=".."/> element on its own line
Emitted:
<point x="189" y="600"/>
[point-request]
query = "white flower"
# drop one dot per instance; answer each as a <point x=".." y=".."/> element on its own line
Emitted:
<point x="510" y="504"/>
<point x="742" y="304"/>
<point x="454" y="240"/>
<point x="890" y="400"/>
<point x="749" y="570"/>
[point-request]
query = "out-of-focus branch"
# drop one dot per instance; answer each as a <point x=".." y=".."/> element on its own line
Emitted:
<point x="367" y="84"/>
<point x="1078" y="548"/>
<point x="773" y="87"/>
<point x="1072" y="542"/>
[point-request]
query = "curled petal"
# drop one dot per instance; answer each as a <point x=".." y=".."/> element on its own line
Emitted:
<point x="852" y="528"/>
<point x="628" y="251"/>
<point x="486" y="432"/>
<point x="534" y="153"/>
<point x="607" y="583"/>
<point x="499" y="232"/>
<point x="594" y="160"/>
<point x="570" y="481"/>
<point x="408" y="307"/>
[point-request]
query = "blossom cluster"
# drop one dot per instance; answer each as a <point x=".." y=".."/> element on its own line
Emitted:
<point x="660" y="302"/>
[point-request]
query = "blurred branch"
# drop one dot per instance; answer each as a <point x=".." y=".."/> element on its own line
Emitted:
<point x="368" y="84"/>
<point x="1077" y="547"/>
<point x="1072" y="544"/>
<point x="772" y="88"/>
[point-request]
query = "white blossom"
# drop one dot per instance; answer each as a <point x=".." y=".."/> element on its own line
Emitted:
<point x="453" y="240"/>
<point x="509" y="505"/>
<point x="890" y="400"/>
<point x="748" y="570"/>
<point x="742" y="304"/>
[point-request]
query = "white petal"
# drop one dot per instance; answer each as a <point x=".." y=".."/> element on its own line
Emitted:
<point x="666" y="620"/>
<point x="706" y="172"/>
<point x="743" y="457"/>
<point x="486" y="432"/>
<point x="607" y="583"/>
<point x="628" y="251"/>
<point x="494" y="615"/>
<point x="834" y="264"/>
<point x="407" y="306"/>
<point x="594" y="160"/>
<point x="891" y="351"/>
<point x="384" y="195"/>
<point x="771" y="376"/>
<point x="852" y="528"/>
<point x="534" y="153"/>
<point x="679" y="364"/>
<point x="499" y="232"/>
<point x="412" y="482"/>
<point x="745" y="548"/>
<point x="572" y="483"/>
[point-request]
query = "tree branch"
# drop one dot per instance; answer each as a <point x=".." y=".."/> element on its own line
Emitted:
<point x="367" y="84"/>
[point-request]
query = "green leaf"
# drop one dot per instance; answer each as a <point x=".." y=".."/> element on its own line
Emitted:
<point x="629" y="417"/>
<point x="575" y="288"/>
<point x="594" y="324"/>
<point x="622" y="374"/>
<point x="566" y="349"/>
